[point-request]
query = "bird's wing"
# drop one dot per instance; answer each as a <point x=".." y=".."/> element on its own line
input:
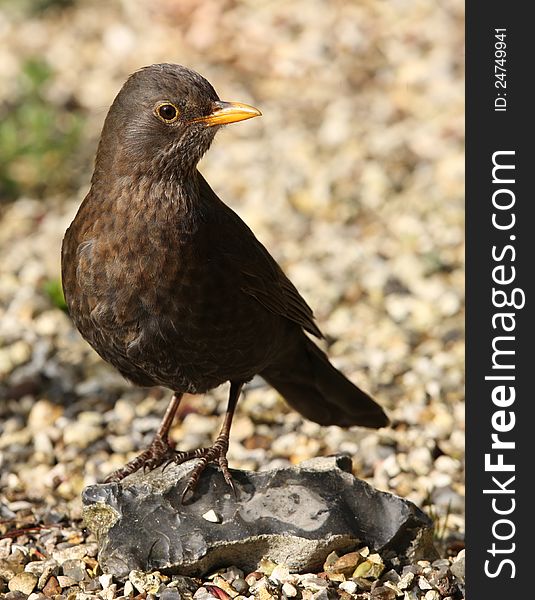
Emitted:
<point x="267" y="283"/>
<point x="261" y="276"/>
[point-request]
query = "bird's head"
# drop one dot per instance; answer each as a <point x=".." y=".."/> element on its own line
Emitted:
<point x="164" y="119"/>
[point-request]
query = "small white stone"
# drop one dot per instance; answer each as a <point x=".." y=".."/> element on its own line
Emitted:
<point x="348" y="586"/>
<point x="289" y="590"/>
<point x="447" y="464"/>
<point x="128" y="588"/>
<point x="212" y="516"/>
<point x="423" y="584"/>
<point x="406" y="580"/>
<point x="5" y="548"/>
<point x="109" y="593"/>
<point x="105" y="580"/>
<point x="280" y="574"/>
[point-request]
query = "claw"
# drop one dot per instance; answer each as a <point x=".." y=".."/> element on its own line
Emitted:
<point x="232" y="487"/>
<point x="215" y="453"/>
<point x="184" y="498"/>
<point x="160" y="452"/>
<point x="156" y="454"/>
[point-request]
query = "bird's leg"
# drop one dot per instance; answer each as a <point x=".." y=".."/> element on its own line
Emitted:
<point x="159" y="451"/>
<point x="216" y="452"/>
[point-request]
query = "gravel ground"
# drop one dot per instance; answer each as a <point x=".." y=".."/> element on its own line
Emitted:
<point x="353" y="178"/>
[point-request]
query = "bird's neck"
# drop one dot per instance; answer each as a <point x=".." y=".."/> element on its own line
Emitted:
<point x="174" y="192"/>
<point x="164" y="179"/>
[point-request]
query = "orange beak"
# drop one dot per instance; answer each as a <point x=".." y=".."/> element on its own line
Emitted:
<point x="228" y="112"/>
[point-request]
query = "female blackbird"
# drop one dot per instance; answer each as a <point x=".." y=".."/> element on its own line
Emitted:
<point x="171" y="287"/>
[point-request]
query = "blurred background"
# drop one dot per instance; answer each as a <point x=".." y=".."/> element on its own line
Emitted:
<point x="353" y="179"/>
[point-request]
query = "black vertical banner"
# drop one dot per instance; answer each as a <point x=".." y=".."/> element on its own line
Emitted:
<point x="500" y="268"/>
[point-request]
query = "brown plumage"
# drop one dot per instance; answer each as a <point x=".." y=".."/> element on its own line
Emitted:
<point x="171" y="287"/>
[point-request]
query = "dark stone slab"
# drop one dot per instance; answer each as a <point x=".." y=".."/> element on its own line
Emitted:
<point x="295" y="515"/>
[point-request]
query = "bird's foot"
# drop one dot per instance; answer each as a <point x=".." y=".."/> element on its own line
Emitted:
<point x="216" y="453"/>
<point x="158" y="453"/>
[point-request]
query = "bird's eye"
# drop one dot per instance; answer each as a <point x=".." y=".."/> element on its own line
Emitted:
<point x="166" y="112"/>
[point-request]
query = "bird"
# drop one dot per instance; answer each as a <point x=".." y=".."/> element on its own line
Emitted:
<point x="169" y="285"/>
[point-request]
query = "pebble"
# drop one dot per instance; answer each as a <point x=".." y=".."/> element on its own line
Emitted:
<point x="124" y="411"/>
<point x="232" y="573"/>
<point x="345" y="565"/>
<point x="393" y="587"/>
<point x="240" y="585"/>
<point x="22" y="582"/>
<point x="52" y="587"/>
<point x="109" y="593"/>
<point x="423" y="584"/>
<point x="15" y="596"/>
<point x="40" y="567"/>
<point x="170" y="594"/>
<point x="348" y="586"/>
<point x="51" y="569"/>
<point x="289" y="590"/>
<point x="382" y="593"/>
<point x="74" y="552"/>
<point x="203" y="594"/>
<point x="458" y="566"/>
<point x="128" y="588"/>
<point x="81" y="434"/>
<point x="311" y="582"/>
<point x="75" y="569"/>
<point x="256" y="584"/>
<point x="105" y="580"/>
<point x="372" y="567"/>
<point x="212" y="517"/>
<point x="392" y="576"/>
<point x="223" y="584"/>
<point x="5" y="546"/>
<point x="64" y="581"/>
<point x="43" y="414"/>
<point x="145" y="582"/>
<point x="280" y="574"/>
<point x="406" y="580"/>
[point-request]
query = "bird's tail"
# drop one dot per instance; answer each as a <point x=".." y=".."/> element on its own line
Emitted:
<point x="312" y="386"/>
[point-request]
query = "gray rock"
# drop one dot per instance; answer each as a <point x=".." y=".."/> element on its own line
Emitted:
<point x="240" y="585"/>
<point x="293" y="515"/>
<point x="75" y="569"/>
<point x="457" y="568"/>
<point x="170" y="594"/>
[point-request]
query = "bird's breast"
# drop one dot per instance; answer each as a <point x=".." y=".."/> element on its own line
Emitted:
<point x="154" y="296"/>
